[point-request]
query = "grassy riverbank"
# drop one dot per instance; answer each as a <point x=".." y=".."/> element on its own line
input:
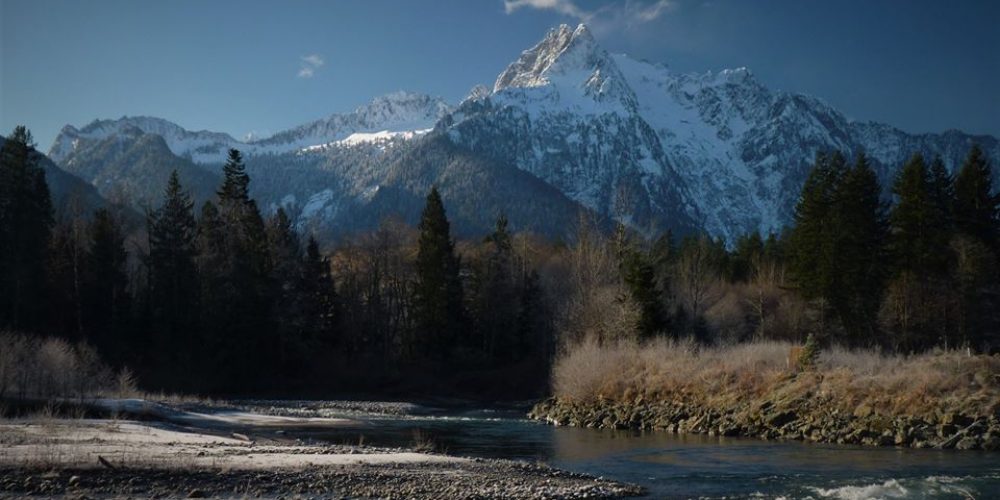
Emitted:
<point x="938" y="399"/>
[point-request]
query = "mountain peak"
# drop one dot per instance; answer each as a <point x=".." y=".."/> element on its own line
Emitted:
<point x="183" y="142"/>
<point x="582" y="31"/>
<point x="562" y="49"/>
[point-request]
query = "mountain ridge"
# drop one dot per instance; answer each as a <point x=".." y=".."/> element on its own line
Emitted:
<point x="626" y="139"/>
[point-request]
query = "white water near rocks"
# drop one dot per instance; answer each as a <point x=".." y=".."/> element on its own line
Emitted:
<point x="683" y="466"/>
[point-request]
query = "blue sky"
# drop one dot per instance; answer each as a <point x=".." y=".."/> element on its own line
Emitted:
<point x="242" y="67"/>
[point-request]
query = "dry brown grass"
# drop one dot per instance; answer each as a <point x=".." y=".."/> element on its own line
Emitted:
<point x="728" y="376"/>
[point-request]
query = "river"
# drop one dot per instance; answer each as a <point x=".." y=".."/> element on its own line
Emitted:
<point x="689" y="466"/>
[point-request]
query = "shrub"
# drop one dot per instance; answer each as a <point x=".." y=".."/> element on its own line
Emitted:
<point x="810" y="353"/>
<point x="36" y="367"/>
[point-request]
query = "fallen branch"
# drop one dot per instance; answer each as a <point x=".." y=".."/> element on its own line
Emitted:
<point x="105" y="463"/>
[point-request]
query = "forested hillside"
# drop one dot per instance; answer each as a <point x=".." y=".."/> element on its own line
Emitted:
<point x="219" y="298"/>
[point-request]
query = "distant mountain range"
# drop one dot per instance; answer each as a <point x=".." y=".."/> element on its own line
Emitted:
<point x="566" y="128"/>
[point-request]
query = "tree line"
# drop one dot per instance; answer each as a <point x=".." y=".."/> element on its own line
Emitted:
<point x="223" y="299"/>
<point x="915" y="273"/>
<point x="904" y="270"/>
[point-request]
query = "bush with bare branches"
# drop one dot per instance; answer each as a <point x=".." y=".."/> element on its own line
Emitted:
<point x="36" y="367"/>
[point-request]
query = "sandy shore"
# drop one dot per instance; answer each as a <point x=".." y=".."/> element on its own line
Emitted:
<point x="128" y="444"/>
<point x="77" y="458"/>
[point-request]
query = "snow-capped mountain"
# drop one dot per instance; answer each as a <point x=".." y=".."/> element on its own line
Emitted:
<point x="565" y="126"/>
<point x="396" y="115"/>
<point x="399" y="115"/>
<point x="202" y="146"/>
<point x="656" y="149"/>
<point x="564" y="112"/>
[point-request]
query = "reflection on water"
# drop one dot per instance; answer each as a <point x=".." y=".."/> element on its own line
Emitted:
<point x="686" y="466"/>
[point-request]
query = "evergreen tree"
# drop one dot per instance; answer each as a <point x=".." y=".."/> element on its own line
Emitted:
<point x="438" y="310"/>
<point x="247" y="293"/>
<point x="919" y="224"/>
<point x="211" y="260"/>
<point x="774" y="248"/>
<point x="108" y="301"/>
<point x="916" y="311"/>
<point x="639" y="277"/>
<point x="66" y="276"/>
<point x="976" y="206"/>
<point x="317" y="291"/>
<point x="976" y="249"/>
<point x="813" y="238"/>
<point x="25" y="226"/>
<point x="174" y="289"/>
<point x="235" y="181"/>
<point x="286" y="271"/>
<point x="942" y="188"/>
<point x="749" y="249"/>
<point x="532" y="326"/>
<point x="858" y="256"/>
<point x="494" y="301"/>
<point x="976" y="288"/>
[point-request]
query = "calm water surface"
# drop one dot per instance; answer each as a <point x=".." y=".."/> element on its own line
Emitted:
<point x="686" y="466"/>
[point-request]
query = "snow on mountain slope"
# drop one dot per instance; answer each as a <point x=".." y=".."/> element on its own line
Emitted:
<point x="394" y="114"/>
<point x="381" y="139"/>
<point x="568" y="69"/>
<point x="704" y="147"/>
<point x="565" y="113"/>
<point x="720" y="130"/>
<point x="401" y="115"/>
<point x="648" y="146"/>
<point x="201" y="147"/>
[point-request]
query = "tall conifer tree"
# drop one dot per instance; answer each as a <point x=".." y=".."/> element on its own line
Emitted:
<point x="25" y="227"/>
<point x="859" y="253"/>
<point x="919" y="223"/>
<point x="813" y="239"/>
<point x="439" y="312"/>
<point x="174" y="289"/>
<point x="107" y="295"/>
<point x="976" y="206"/>
<point x="318" y="292"/>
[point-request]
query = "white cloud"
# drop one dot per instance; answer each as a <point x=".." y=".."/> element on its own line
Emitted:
<point x="617" y="14"/>
<point x="309" y="65"/>
<point x="314" y="60"/>
<point x="565" y="7"/>
<point x="646" y="13"/>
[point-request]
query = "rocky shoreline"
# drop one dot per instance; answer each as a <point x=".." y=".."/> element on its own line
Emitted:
<point x="480" y="479"/>
<point x="100" y="458"/>
<point x="812" y="419"/>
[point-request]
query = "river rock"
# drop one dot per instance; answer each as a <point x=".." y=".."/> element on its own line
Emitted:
<point x="955" y="418"/>
<point x="863" y="411"/>
<point x="902" y="438"/>
<point x="991" y="443"/>
<point x="946" y="430"/>
<point x="967" y="443"/>
<point x="781" y="418"/>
